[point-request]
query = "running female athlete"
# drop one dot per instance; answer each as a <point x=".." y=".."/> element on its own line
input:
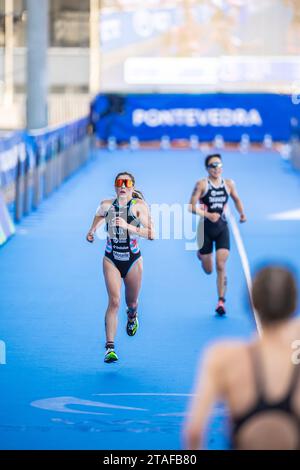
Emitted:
<point x="257" y="380"/>
<point x="127" y="218"/>
<point x="213" y="193"/>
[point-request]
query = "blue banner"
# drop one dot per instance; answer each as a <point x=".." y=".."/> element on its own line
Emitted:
<point x="149" y="117"/>
<point x="46" y="143"/>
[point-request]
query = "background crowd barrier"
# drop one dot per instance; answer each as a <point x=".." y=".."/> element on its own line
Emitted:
<point x="7" y="228"/>
<point x="33" y="165"/>
<point x="206" y="116"/>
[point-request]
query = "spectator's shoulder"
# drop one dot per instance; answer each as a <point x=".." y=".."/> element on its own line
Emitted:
<point x="225" y="351"/>
<point x="296" y="325"/>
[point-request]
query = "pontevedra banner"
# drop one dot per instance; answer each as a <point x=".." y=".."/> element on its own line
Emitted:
<point x="151" y="116"/>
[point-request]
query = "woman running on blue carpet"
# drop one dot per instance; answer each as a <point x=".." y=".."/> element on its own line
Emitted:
<point x="127" y="218"/>
<point x="212" y="193"/>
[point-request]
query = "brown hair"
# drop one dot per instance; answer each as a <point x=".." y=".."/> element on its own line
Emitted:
<point x="136" y="194"/>
<point x="274" y="294"/>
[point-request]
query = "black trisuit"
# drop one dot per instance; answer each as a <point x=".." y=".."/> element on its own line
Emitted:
<point x="122" y="248"/>
<point x="215" y="200"/>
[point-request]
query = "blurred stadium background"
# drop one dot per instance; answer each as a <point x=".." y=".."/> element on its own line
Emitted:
<point x="215" y="45"/>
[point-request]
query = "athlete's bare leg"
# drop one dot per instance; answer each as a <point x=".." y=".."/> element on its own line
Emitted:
<point x="221" y="258"/>
<point x="207" y="262"/>
<point x="133" y="281"/>
<point x="113" y="285"/>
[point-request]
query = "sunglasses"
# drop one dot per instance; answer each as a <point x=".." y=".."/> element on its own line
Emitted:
<point x="215" y="165"/>
<point x="119" y="183"/>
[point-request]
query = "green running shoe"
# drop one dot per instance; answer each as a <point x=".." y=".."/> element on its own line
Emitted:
<point x="110" y="356"/>
<point x="132" y="327"/>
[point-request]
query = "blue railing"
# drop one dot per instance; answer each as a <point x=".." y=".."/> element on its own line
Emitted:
<point x="33" y="165"/>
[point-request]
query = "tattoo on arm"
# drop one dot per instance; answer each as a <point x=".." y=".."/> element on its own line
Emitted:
<point x="195" y="190"/>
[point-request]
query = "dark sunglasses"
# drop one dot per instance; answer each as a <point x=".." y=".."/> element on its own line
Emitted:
<point x="120" y="181"/>
<point x="215" y="165"/>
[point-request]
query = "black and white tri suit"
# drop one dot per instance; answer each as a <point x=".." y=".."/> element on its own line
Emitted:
<point x="215" y="200"/>
<point x="122" y="248"/>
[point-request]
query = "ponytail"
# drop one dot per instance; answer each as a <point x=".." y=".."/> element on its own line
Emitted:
<point x="138" y="195"/>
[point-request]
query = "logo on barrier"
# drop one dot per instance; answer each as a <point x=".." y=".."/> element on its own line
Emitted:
<point x="2" y="353"/>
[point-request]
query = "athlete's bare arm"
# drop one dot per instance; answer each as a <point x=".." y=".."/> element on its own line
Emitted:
<point x="237" y="201"/>
<point x="99" y="218"/>
<point x="207" y="391"/>
<point x="142" y="212"/>
<point x="198" y="191"/>
<point x="195" y="197"/>
<point x="212" y="386"/>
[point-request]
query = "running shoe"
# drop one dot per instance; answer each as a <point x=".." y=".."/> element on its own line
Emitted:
<point x="132" y="327"/>
<point x="110" y="355"/>
<point x="220" y="309"/>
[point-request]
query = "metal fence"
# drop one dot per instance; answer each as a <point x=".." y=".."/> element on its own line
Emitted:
<point x="33" y="165"/>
